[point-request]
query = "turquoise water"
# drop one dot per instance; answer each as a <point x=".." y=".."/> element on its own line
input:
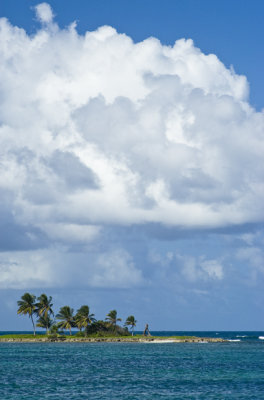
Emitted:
<point x="233" y="370"/>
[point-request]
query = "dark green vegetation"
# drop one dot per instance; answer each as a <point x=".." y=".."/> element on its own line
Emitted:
<point x="84" y="320"/>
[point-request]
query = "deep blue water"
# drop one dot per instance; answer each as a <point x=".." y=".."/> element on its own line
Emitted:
<point x="232" y="370"/>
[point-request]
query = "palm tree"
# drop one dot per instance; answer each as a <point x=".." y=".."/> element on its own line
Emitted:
<point x="45" y="321"/>
<point x="26" y="306"/>
<point x="44" y="306"/>
<point x="130" y="321"/>
<point x="83" y="318"/>
<point x="66" y="318"/>
<point x="54" y="329"/>
<point x="112" y="318"/>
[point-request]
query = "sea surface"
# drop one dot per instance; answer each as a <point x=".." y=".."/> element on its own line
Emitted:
<point x="230" y="370"/>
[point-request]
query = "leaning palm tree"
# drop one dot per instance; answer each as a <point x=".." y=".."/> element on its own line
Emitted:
<point x="66" y="318"/>
<point x="26" y="306"/>
<point x="83" y="318"/>
<point x="130" y="321"/>
<point x="44" y="306"/>
<point x="112" y="318"/>
<point x="46" y="322"/>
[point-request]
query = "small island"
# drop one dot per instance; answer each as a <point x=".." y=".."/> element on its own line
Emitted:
<point x="90" y="330"/>
<point x="27" y="338"/>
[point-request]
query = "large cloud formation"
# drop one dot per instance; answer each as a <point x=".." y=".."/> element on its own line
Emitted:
<point x="97" y="130"/>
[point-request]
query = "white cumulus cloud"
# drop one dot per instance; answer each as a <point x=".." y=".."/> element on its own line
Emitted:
<point x="97" y="130"/>
<point x="44" y="13"/>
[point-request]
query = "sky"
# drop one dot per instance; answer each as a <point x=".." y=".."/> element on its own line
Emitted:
<point x="131" y="160"/>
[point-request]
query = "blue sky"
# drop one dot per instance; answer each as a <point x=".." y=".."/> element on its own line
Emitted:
<point x="132" y="167"/>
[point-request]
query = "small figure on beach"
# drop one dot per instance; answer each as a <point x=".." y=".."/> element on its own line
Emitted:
<point x="146" y="331"/>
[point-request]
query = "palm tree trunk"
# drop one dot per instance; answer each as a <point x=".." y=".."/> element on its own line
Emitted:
<point x="70" y="330"/>
<point x="33" y="324"/>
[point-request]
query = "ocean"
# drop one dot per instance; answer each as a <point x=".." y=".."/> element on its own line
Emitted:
<point x="56" y="371"/>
